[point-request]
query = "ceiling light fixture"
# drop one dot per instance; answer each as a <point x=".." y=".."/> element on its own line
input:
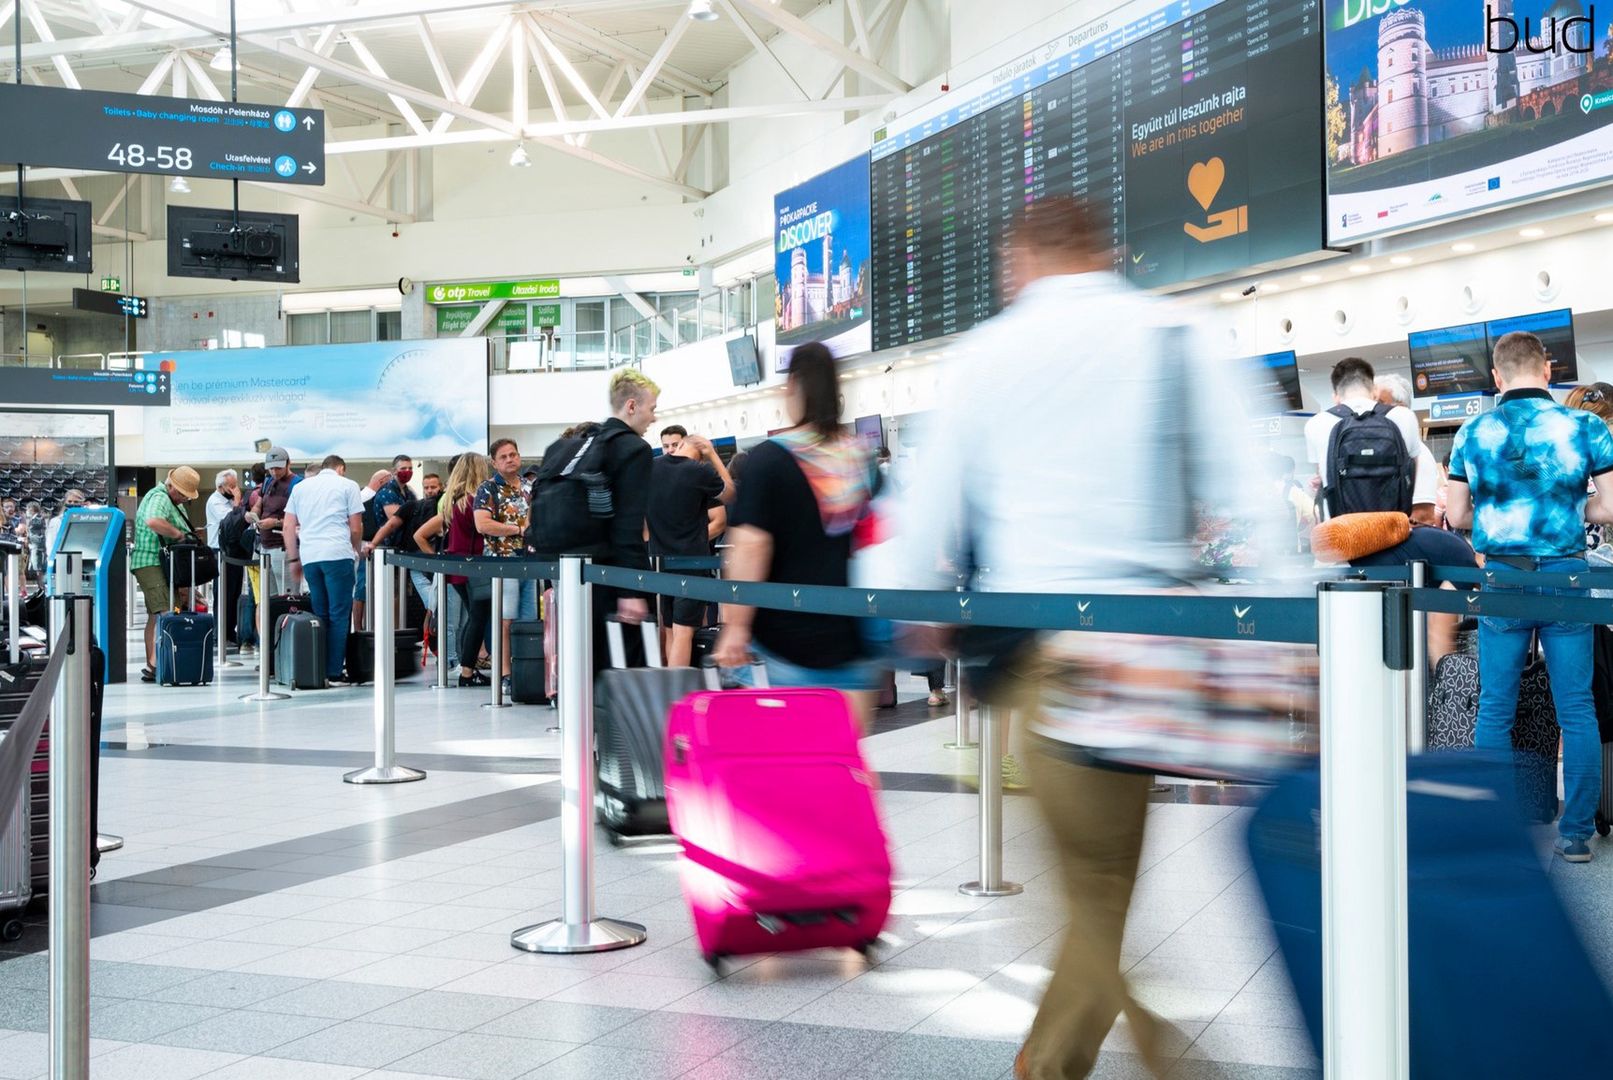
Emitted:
<point x="519" y="158"/>
<point x="1401" y="260"/>
<point x="222" y="60"/>
<point x="179" y="186"/>
<point x="1532" y="233"/>
<point x="1229" y="296"/>
<point x="1310" y="279"/>
<point x="702" y="11"/>
<point x="1605" y="219"/>
<point x="1361" y="268"/>
<point x="1464" y="247"/>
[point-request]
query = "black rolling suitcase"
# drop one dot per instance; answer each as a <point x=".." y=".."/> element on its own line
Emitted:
<point x="527" y="663"/>
<point x="1602" y="692"/>
<point x="185" y="640"/>
<point x="1453" y="712"/>
<point x="299" y="648"/>
<point x="281" y="605"/>
<point x="360" y="660"/>
<point x="631" y="706"/>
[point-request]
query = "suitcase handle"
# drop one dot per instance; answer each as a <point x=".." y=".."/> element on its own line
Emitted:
<point x="618" y="646"/>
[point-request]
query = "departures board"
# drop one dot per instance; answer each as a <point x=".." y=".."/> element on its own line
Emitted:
<point x="1195" y="129"/>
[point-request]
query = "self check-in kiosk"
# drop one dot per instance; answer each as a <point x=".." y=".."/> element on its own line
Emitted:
<point x="96" y="535"/>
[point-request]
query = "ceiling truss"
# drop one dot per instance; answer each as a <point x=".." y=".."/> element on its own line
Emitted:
<point x="593" y="82"/>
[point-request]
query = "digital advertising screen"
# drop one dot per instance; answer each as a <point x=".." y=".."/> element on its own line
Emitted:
<point x="1274" y="380"/>
<point x="1450" y="360"/>
<point x="821" y="263"/>
<point x="1440" y="108"/>
<point x="1192" y="127"/>
<point x="366" y="402"/>
<point x="1555" y="329"/>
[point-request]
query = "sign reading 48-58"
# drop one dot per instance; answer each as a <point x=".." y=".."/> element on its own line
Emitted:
<point x="85" y="129"/>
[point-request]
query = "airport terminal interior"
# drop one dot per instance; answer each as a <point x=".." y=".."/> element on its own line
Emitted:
<point x="247" y="245"/>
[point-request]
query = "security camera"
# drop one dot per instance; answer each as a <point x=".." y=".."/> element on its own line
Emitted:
<point x="1252" y="289"/>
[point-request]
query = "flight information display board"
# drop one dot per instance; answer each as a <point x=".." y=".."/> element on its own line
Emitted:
<point x="1194" y="126"/>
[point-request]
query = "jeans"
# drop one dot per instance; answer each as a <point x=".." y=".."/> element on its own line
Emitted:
<point x="330" y="591"/>
<point x="520" y="599"/>
<point x="426" y="585"/>
<point x="1503" y="653"/>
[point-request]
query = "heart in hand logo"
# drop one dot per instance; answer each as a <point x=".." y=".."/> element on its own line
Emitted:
<point x="1204" y="180"/>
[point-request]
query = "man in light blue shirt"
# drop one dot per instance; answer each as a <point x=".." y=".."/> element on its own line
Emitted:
<point x="1518" y="477"/>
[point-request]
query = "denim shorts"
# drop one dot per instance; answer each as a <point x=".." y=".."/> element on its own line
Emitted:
<point x="855" y="676"/>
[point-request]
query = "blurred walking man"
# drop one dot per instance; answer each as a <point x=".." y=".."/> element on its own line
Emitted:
<point x="1070" y="507"/>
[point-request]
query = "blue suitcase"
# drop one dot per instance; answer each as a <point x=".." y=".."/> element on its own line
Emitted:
<point x="1500" y="983"/>
<point x="185" y="643"/>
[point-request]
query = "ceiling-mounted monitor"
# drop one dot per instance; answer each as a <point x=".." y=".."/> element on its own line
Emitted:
<point x="1555" y="329"/>
<point x="744" y="363"/>
<point x="50" y="235"/>
<point x="1274" y="383"/>
<point x="1450" y="360"/>
<point x="241" y="245"/>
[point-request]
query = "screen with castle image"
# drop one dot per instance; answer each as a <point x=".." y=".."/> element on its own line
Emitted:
<point x="1440" y="108"/>
<point x="820" y="257"/>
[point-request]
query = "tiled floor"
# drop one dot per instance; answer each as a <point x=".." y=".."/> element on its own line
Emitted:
<point x="266" y="921"/>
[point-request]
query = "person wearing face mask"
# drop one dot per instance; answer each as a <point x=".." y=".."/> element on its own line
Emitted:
<point x="158" y="522"/>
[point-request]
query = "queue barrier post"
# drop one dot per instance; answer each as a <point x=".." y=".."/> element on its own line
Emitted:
<point x="14" y="605"/>
<point x="1365" y="983"/>
<point x="960" y="714"/>
<point x="69" y="919"/>
<point x="990" y="882"/>
<point x="265" y="636"/>
<point x="439" y="597"/>
<point x="1417" y="677"/>
<point x="579" y="929"/>
<point x="495" y="647"/>
<point x="223" y="660"/>
<point x="386" y="770"/>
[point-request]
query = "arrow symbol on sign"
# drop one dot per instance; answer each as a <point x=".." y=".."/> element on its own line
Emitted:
<point x="309" y="168"/>
<point x="308" y="122"/>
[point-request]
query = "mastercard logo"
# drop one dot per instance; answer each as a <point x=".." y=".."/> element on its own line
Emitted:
<point x="167" y="365"/>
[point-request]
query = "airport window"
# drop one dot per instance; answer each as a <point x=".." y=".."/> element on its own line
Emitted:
<point x="348" y="327"/>
<point x="389" y="326"/>
<point x="312" y="328"/>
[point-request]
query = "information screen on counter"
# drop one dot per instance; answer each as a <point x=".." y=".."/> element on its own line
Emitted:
<point x="1195" y="126"/>
<point x="1450" y="360"/>
<point x="140" y="133"/>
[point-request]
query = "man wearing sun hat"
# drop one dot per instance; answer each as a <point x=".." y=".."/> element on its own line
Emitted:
<point x="157" y="522"/>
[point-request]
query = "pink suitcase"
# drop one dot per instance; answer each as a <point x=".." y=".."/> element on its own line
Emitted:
<point x="782" y="843"/>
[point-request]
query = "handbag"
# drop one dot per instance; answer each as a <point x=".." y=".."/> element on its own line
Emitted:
<point x="188" y="563"/>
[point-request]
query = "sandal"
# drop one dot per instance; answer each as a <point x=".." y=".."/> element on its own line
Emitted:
<point x="938" y="701"/>
<point x="148" y="675"/>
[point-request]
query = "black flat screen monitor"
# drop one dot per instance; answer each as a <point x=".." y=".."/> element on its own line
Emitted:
<point x="50" y="235"/>
<point x="1450" y="360"/>
<point x="726" y="446"/>
<point x="1555" y="329"/>
<point x="871" y="431"/>
<point x="744" y="363"/>
<point x="245" y="246"/>
<point x="1274" y="383"/>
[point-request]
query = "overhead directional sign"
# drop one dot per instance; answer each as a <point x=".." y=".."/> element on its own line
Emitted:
<point x="139" y="133"/>
<point x="70" y="386"/>
<point x="111" y="303"/>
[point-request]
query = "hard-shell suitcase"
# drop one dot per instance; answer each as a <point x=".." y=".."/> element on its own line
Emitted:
<point x="527" y="664"/>
<point x="1453" y="712"/>
<point x="406" y="659"/>
<point x="1497" y="972"/>
<point x="551" y="646"/>
<point x="16" y="866"/>
<point x="299" y="647"/>
<point x="782" y="843"/>
<point x="281" y="605"/>
<point x="185" y="643"/>
<point x="630" y="718"/>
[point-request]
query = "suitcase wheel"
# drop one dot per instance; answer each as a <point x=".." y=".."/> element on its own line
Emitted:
<point x="11" y="931"/>
<point x="714" y="962"/>
<point x="1603" y="826"/>
<point x="867" y="948"/>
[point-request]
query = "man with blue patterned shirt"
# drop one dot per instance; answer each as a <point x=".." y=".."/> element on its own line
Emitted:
<point x="1518" y="476"/>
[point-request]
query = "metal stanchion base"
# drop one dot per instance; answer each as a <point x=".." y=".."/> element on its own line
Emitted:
<point x="559" y="936"/>
<point x="960" y="746"/>
<point x="228" y="663"/>
<point x="270" y="696"/>
<point x="392" y="774"/>
<point x="105" y="842"/>
<point x="500" y="705"/>
<point x="1006" y="888"/>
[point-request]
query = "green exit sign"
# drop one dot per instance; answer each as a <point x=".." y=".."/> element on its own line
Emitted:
<point x="688" y="271"/>
<point x="111" y="284"/>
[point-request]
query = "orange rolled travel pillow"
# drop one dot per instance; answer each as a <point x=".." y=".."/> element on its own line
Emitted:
<point x="1355" y="536"/>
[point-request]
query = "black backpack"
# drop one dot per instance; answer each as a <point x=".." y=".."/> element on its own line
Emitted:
<point x="414" y="514"/>
<point x="1368" y="465"/>
<point x="237" y="537"/>
<point x="572" y="502"/>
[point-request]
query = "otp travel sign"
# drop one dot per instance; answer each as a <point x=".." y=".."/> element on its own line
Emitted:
<point x="472" y="292"/>
<point x="1441" y="108"/>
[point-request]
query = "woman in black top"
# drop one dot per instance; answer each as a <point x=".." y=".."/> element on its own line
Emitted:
<point x="804" y="492"/>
